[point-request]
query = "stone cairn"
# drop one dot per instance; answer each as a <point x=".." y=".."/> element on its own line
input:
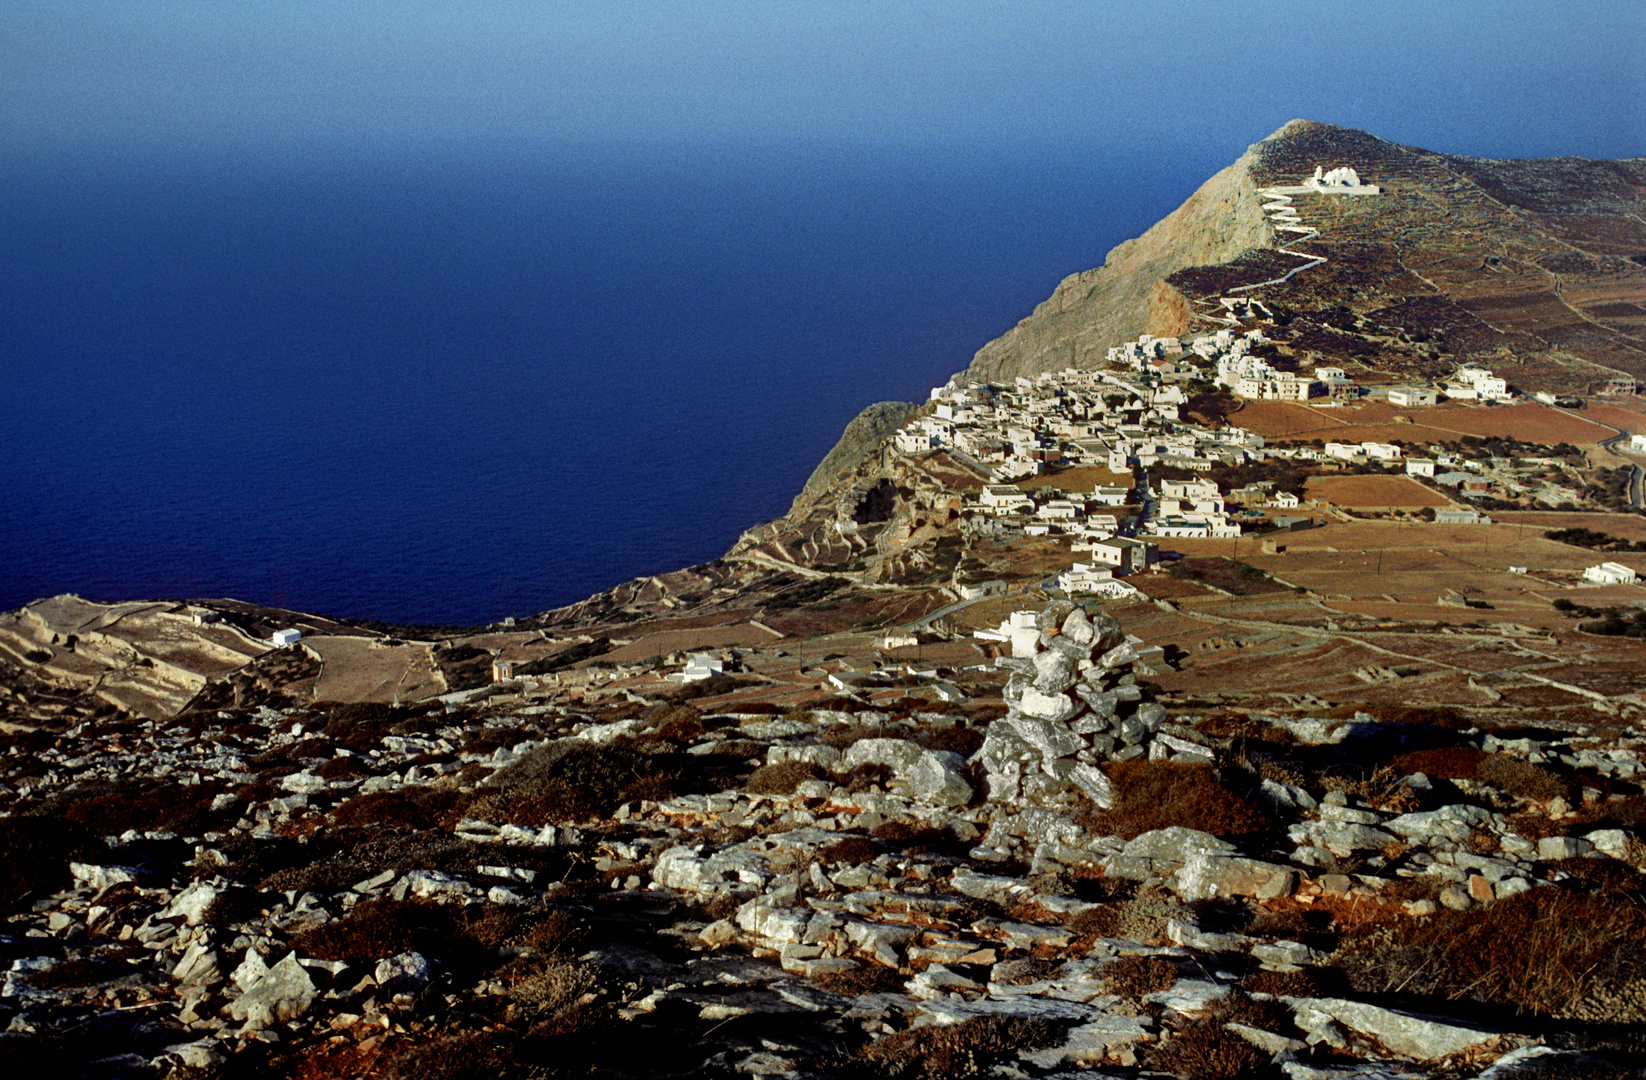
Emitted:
<point x="1075" y="703"/>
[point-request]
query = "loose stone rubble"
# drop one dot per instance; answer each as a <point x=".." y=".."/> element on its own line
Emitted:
<point x="901" y="887"/>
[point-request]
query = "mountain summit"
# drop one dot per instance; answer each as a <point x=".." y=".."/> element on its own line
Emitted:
<point x="1536" y="267"/>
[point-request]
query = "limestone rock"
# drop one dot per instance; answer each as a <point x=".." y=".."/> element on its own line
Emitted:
<point x="935" y="779"/>
<point x="1206" y="875"/>
<point x="1409" y="1034"/>
<point x="284" y="993"/>
<point x="1054" y="707"/>
<point x="404" y="973"/>
<point x="1050" y="738"/>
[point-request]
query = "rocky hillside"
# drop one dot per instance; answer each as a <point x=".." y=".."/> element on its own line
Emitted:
<point x="1536" y="268"/>
<point x="1092" y="310"/>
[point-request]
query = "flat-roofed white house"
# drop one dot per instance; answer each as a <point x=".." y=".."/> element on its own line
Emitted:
<point x="702" y="666"/>
<point x="1125" y="554"/>
<point x="1004" y="497"/>
<point x="1637" y="444"/>
<point x="1060" y="510"/>
<point x="1409" y="396"/>
<point x="1285" y="500"/>
<point x="1610" y="573"/>
<point x="1083" y="577"/>
<point x="1106" y="495"/>
<point x="1420" y="467"/>
<point x="1188" y="489"/>
<point x="1461" y="517"/>
<point x="1381" y="451"/>
<point x="281" y="638"/>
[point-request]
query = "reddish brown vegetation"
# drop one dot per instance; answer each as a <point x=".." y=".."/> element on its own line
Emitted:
<point x="1159" y="794"/>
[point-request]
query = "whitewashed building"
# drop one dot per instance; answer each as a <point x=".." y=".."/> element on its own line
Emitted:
<point x="1610" y="573"/>
<point x="1410" y="396"/>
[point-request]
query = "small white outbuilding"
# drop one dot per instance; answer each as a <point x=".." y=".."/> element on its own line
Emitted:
<point x="281" y="638"/>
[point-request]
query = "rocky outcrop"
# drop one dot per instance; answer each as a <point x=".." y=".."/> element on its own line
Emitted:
<point x="862" y="437"/>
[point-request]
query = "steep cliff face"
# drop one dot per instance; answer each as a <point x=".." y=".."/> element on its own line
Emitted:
<point x="862" y="437"/>
<point x="1092" y="310"/>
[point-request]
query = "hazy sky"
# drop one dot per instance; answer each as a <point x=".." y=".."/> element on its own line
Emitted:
<point x="1506" y="77"/>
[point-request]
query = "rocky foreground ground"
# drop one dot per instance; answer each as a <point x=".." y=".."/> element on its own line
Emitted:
<point x="1062" y="880"/>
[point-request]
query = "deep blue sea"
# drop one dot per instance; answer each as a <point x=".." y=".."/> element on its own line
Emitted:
<point x="451" y="387"/>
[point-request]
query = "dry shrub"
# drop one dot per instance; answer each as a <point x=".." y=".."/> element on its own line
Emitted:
<point x="1522" y="778"/>
<point x="1137" y="976"/>
<point x="541" y="986"/>
<point x="678" y="723"/>
<point x="79" y="972"/>
<point x="869" y="778"/>
<point x="375" y="929"/>
<point x="111" y="809"/>
<point x="964" y="741"/>
<point x="852" y="849"/>
<point x="1628" y="812"/>
<point x="460" y="1056"/>
<point x="906" y="836"/>
<point x="723" y="906"/>
<point x="738" y="748"/>
<point x="1433" y="716"/>
<point x="234" y="905"/>
<point x="1032" y="970"/>
<point x="341" y="768"/>
<point x="965" y="1049"/>
<point x="1444" y="763"/>
<point x="569" y="781"/>
<point x="841" y="736"/>
<point x="1101" y="921"/>
<point x="34" y="857"/>
<point x="1159" y="794"/>
<point x="1305" y="982"/>
<point x="1204" y="1049"/>
<point x="784" y="777"/>
<point x="1565" y="1068"/>
<point x="412" y="807"/>
<point x="1605" y="876"/>
<point x="869" y="979"/>
<point x="1237" y="1008"/>
<point x="1144" y="917"/>
<point x="1548" y="951"/>
<point x="1532" y="826"/>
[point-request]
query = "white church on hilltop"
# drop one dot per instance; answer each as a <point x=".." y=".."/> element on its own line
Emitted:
<point x="1340" y="181"/>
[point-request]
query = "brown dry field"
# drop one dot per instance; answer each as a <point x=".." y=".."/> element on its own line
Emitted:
<point x="1400" y="571"/>
<point x="1379" y="421"/>
<point x="1629" y="419"/>
<point x="1625" y="526"/>
<point x="665" y="642"/>
<point x="361" y="669"/>
<point x="1373" y="491"/>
